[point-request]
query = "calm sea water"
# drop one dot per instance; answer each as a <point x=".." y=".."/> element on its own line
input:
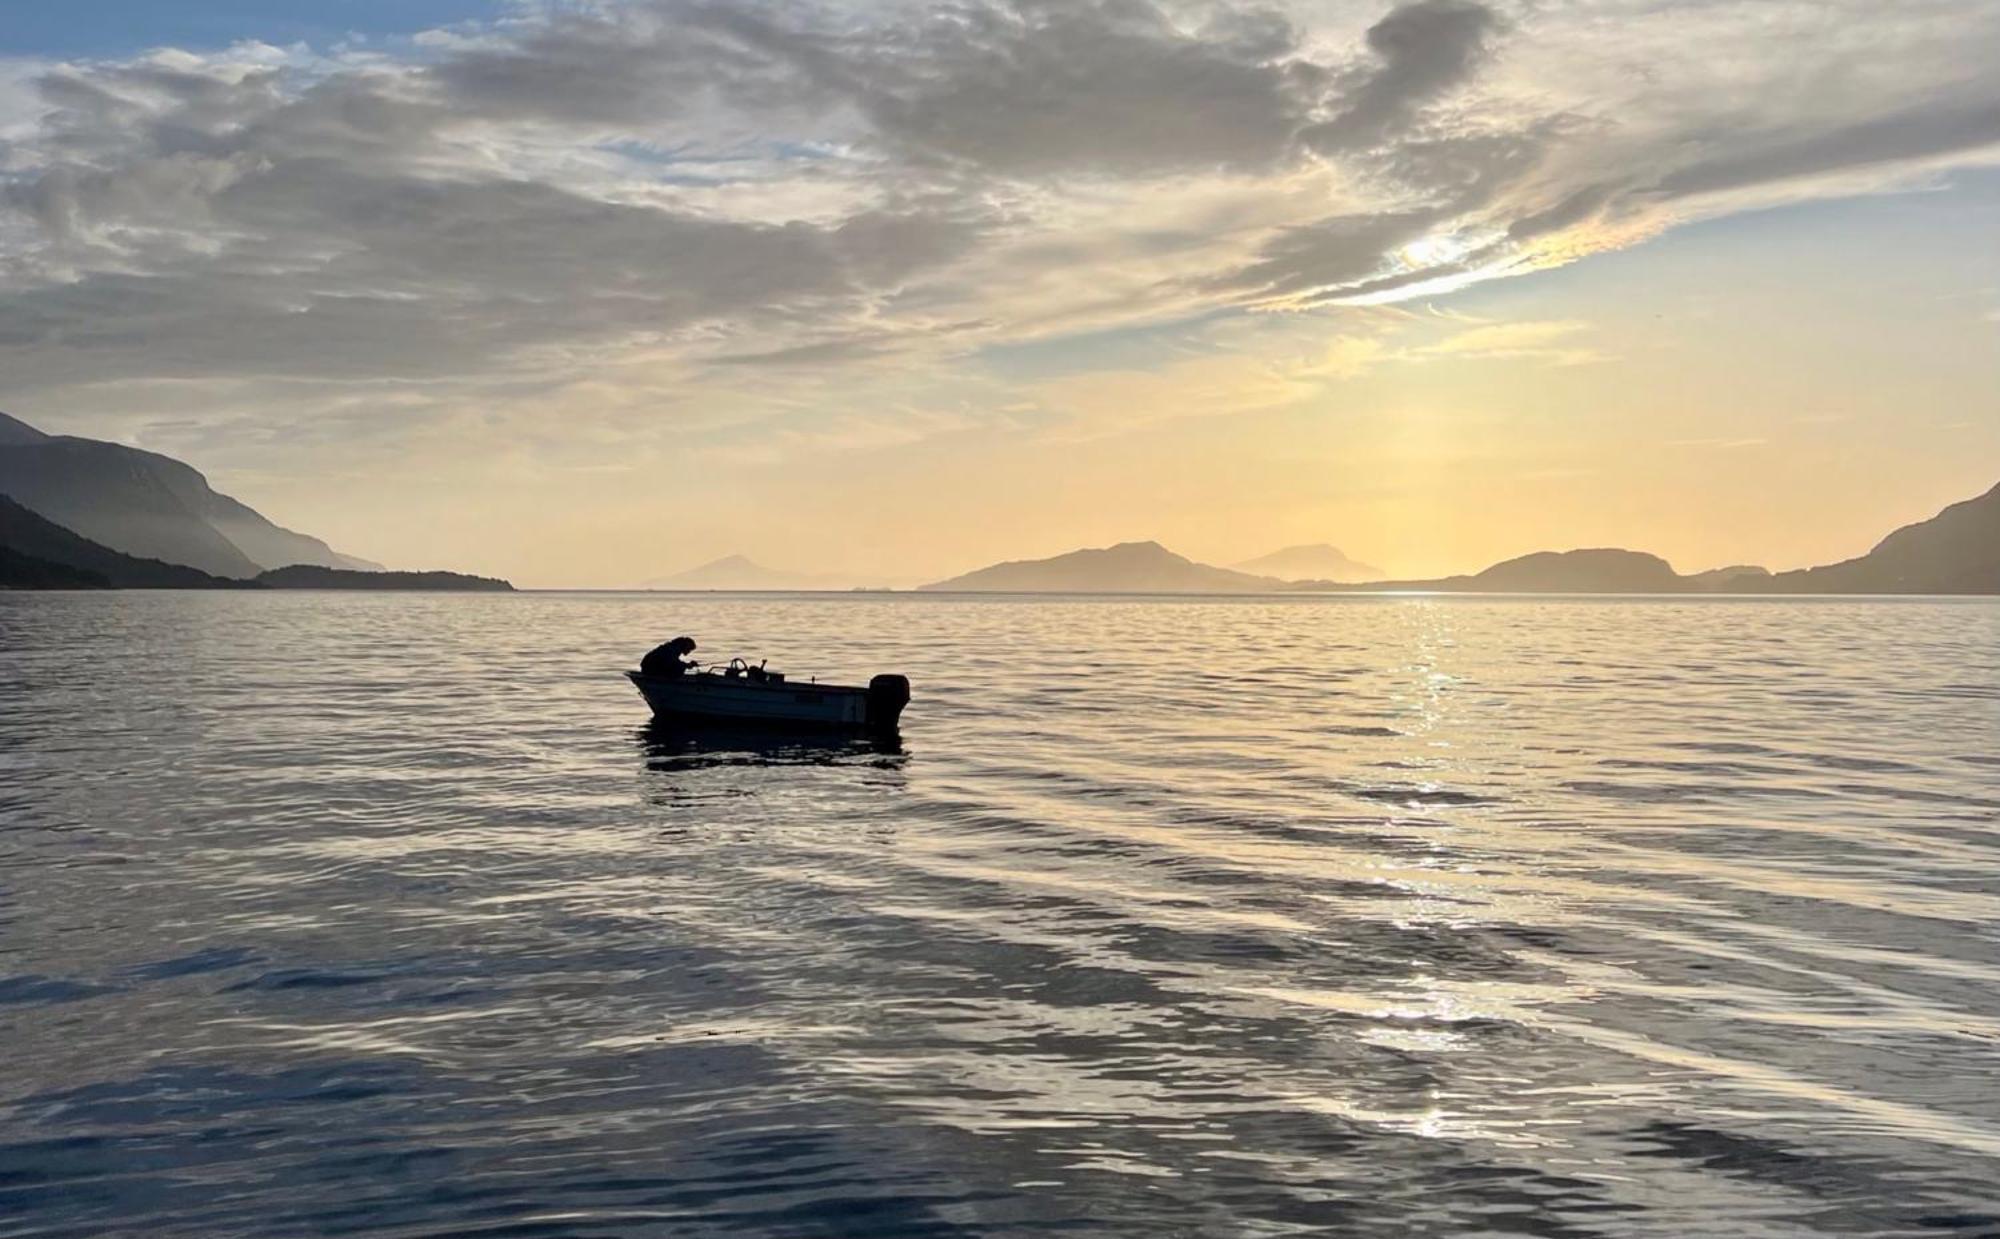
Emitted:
<point x="389" y="916"/>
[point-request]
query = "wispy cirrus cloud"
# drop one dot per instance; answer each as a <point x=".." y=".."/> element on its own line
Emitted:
<point x="1551" y="341"/>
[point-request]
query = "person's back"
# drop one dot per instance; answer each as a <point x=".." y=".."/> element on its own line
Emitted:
<point x="665" y="660"/>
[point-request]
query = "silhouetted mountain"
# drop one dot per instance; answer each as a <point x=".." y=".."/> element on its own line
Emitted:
<point x="1128" y="568"/>
<point x="29" y="536"/>
<point x="14" y="432"/>
<point x="273" y="546"/>
<point x="1594" y="571"/>
<point x="147" y="505"/>
<point x="1955" y="552"/>
<point x="1598" y="570"/>
<point x="739" y="572"/>
<point x="312" y="576"/>
<point x="18" y="571"/>
<point x="1317" y="562"/>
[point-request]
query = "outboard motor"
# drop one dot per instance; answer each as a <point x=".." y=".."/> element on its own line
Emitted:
<point x="887" y="695"/>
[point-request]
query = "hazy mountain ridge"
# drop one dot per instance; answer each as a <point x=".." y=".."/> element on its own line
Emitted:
<point x="44" y="555"/>
<point x="733" y="572"/>
<point x="1318" y="561"/>
<point x="1127" y="568"/>
<point x="127" y="517"/>
<point x="1148" y="567"/>
<point x="37" y="553"/>
<point x="1955" y="552"/>
<point x="148" y="505"/>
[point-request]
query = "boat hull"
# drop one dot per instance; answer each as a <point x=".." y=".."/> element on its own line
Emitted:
<point x="739" y="699"/>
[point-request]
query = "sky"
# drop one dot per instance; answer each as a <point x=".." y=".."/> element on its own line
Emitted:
<point x="588" y="293"/>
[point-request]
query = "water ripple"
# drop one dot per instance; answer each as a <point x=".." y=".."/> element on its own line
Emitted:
<point x="384" y="916"/>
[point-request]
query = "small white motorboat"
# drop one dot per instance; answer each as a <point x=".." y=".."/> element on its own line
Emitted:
<point x="740" y="692"/>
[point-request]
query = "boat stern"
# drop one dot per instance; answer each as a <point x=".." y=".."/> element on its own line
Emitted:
<point x="887" y="695"/>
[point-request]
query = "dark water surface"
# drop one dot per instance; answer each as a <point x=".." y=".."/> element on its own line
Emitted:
<point x="386" y="916"/>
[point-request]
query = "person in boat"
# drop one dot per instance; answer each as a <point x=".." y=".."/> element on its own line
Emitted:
<point x="665" y="660"/>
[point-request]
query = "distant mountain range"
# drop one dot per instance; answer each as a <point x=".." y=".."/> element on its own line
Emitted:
<point x="85" y="514"/>
<point x="81" y="513"/>
<point x="1316" y="562"/>
<point x="148" y="505"/>
<point x="1954" y="552"/>
<point x="37" y="553"/>
<point x="1596" y="571"/>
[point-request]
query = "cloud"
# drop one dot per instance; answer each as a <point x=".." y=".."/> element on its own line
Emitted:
<point x="1350" y="357"/>
<point x="1336" y="253"/>
<point x="1720" y="444"/>
<point x="221" y="218"/>
<point x="1913" y="133"/>
<point x="1425" y="48"/>
<point x="706" y="193"/>
<point x="1093" y="88"/>
<point x="1093" y="405"/>
<point x="1551" y="341"/>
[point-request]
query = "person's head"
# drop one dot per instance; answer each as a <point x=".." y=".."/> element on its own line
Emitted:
<point x="681" y="647"/>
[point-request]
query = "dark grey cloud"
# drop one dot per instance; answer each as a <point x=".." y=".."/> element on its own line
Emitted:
<point x="1335" y="253"/>
<point x="1572" y="208"/>
<point x="417" y="280"/>
<point x="1028" y="87"/>
<point x="1936" y="127"/>
<point x="1754" y="159"/>
<point x="1100" y="87"/>
<point x="636" y="65"/>
<point x="1425" y="49"/>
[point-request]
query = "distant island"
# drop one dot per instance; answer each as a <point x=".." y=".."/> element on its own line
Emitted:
<point x="740" y="572"/>
<point x="1316" y="562"/>
<point x="1954" y="552"/>
<point x="1127" y="568"/>
<point x="1601" y="570"/>
<point x="85" y="514"/>
<point x="311" y="576"/>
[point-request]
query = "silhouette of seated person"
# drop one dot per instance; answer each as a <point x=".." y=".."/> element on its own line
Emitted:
<point x="665" y="660"/>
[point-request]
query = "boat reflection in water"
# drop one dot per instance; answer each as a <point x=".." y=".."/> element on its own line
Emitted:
<point x="674" y="744"/>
